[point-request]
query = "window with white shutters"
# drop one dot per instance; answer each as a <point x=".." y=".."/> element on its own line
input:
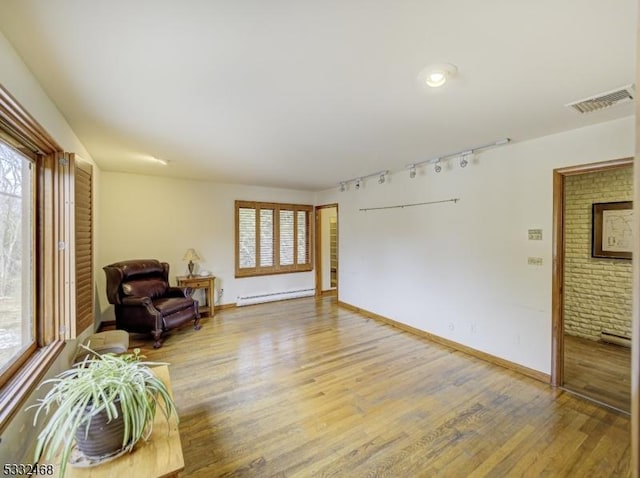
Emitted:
<point x="272" y="238"/>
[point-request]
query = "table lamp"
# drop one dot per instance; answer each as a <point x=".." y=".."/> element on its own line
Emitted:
<point x="191" y="255"/>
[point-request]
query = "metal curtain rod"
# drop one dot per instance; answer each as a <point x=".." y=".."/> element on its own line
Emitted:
<point x="454" y="200"/>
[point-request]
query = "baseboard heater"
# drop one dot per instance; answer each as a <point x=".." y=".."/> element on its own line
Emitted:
<point x="273" y="296"/>
<point x="612" y="338"/>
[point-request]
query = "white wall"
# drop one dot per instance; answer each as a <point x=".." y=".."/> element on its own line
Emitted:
<point x="18" y="438"/>
<point x="459" y="270"/>
<point x="18" y="80"/>
<point x="160" y="218"/>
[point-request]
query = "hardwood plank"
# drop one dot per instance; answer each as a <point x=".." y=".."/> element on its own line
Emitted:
<point x="306" y="388"/>
<point x="598" y="370"/>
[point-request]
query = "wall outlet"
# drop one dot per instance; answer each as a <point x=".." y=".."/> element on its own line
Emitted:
<point x="534" y="261"/>
<point x="220" y="292"/>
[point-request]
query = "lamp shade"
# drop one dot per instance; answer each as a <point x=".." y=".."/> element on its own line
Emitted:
<point x="191" y="255"/>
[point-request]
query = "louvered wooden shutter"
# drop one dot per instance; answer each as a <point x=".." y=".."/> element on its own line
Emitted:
<point x="272" y="238"/>
<point x="83" y="245"/>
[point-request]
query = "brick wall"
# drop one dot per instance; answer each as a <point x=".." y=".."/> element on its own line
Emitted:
<point x="597" y="292"/>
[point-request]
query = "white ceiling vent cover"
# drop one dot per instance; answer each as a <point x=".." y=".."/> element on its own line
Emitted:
<point x="604" y="100"/>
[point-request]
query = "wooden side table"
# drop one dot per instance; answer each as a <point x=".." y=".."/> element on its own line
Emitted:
<point x="207" y="283"/>
<point x="161" y="456"/>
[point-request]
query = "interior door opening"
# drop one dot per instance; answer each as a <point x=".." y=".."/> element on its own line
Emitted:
<point x="327" y="264"/>
<point x="591" y="294"/>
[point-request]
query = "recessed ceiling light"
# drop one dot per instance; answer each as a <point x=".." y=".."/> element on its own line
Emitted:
<point x="437" y="75"/>
<point x="164" y="162"/>
<point x="435" y="79"/>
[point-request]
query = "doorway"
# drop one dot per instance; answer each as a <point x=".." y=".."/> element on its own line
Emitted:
<point x="327" y="250"/>
<point x="591" y="295"/>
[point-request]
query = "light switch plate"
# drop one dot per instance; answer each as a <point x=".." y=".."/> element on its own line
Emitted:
<point x="535" y="234"/>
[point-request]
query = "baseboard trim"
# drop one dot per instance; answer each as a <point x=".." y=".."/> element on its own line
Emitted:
<point x="329" y="292"/>
<point x="529" y="372"/>
<point x="231" y="305"/>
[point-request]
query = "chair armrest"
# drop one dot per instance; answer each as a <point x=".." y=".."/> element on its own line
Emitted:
<point x="178" y="292"/>
<point x="140" y="301"/>
<point x="142" y="313"/>
<point x="145" y="302"/>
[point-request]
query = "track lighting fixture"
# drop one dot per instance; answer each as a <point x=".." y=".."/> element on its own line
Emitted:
<point x="357" y="182"/>
<point x="465" y="156"/>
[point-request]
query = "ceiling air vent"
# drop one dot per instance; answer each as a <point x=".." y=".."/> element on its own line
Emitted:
<point x="604" y="100"/>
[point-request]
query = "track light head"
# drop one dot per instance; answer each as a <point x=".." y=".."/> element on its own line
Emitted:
<point x="357" y="183"/>
<point x="464" y="159"/>
<point x="412" y="171"/>
<point x="438" y="166"/>
<point x="381" y="179"/>
<point x="343" y="187"/>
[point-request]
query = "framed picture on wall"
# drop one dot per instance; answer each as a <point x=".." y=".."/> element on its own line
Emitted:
<point x="612" y="230"/>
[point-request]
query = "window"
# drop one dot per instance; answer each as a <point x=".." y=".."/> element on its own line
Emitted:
<point x="272" y="238"/>
<point x="17" y="234"/>
<point x="35" y="269"/>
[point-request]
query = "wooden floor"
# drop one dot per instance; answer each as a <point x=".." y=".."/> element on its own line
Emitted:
<point x="303" y="388"/>
<point x="598" y="370"/>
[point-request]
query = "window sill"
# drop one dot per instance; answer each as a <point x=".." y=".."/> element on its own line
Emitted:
<point x="253" y="273"/>
<point x="15" y="392"/>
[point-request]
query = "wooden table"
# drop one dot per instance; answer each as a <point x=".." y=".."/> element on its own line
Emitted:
<point x="207" y="283"/>
<point x="161" y="456"/>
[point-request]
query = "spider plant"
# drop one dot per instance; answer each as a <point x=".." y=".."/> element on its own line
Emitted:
<point x="116" y="385"/>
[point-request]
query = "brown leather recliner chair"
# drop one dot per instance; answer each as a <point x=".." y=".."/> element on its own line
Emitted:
<point x="145" y="302"/>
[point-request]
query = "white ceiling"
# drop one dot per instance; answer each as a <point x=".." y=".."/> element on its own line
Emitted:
<point x="305" y="93"/>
